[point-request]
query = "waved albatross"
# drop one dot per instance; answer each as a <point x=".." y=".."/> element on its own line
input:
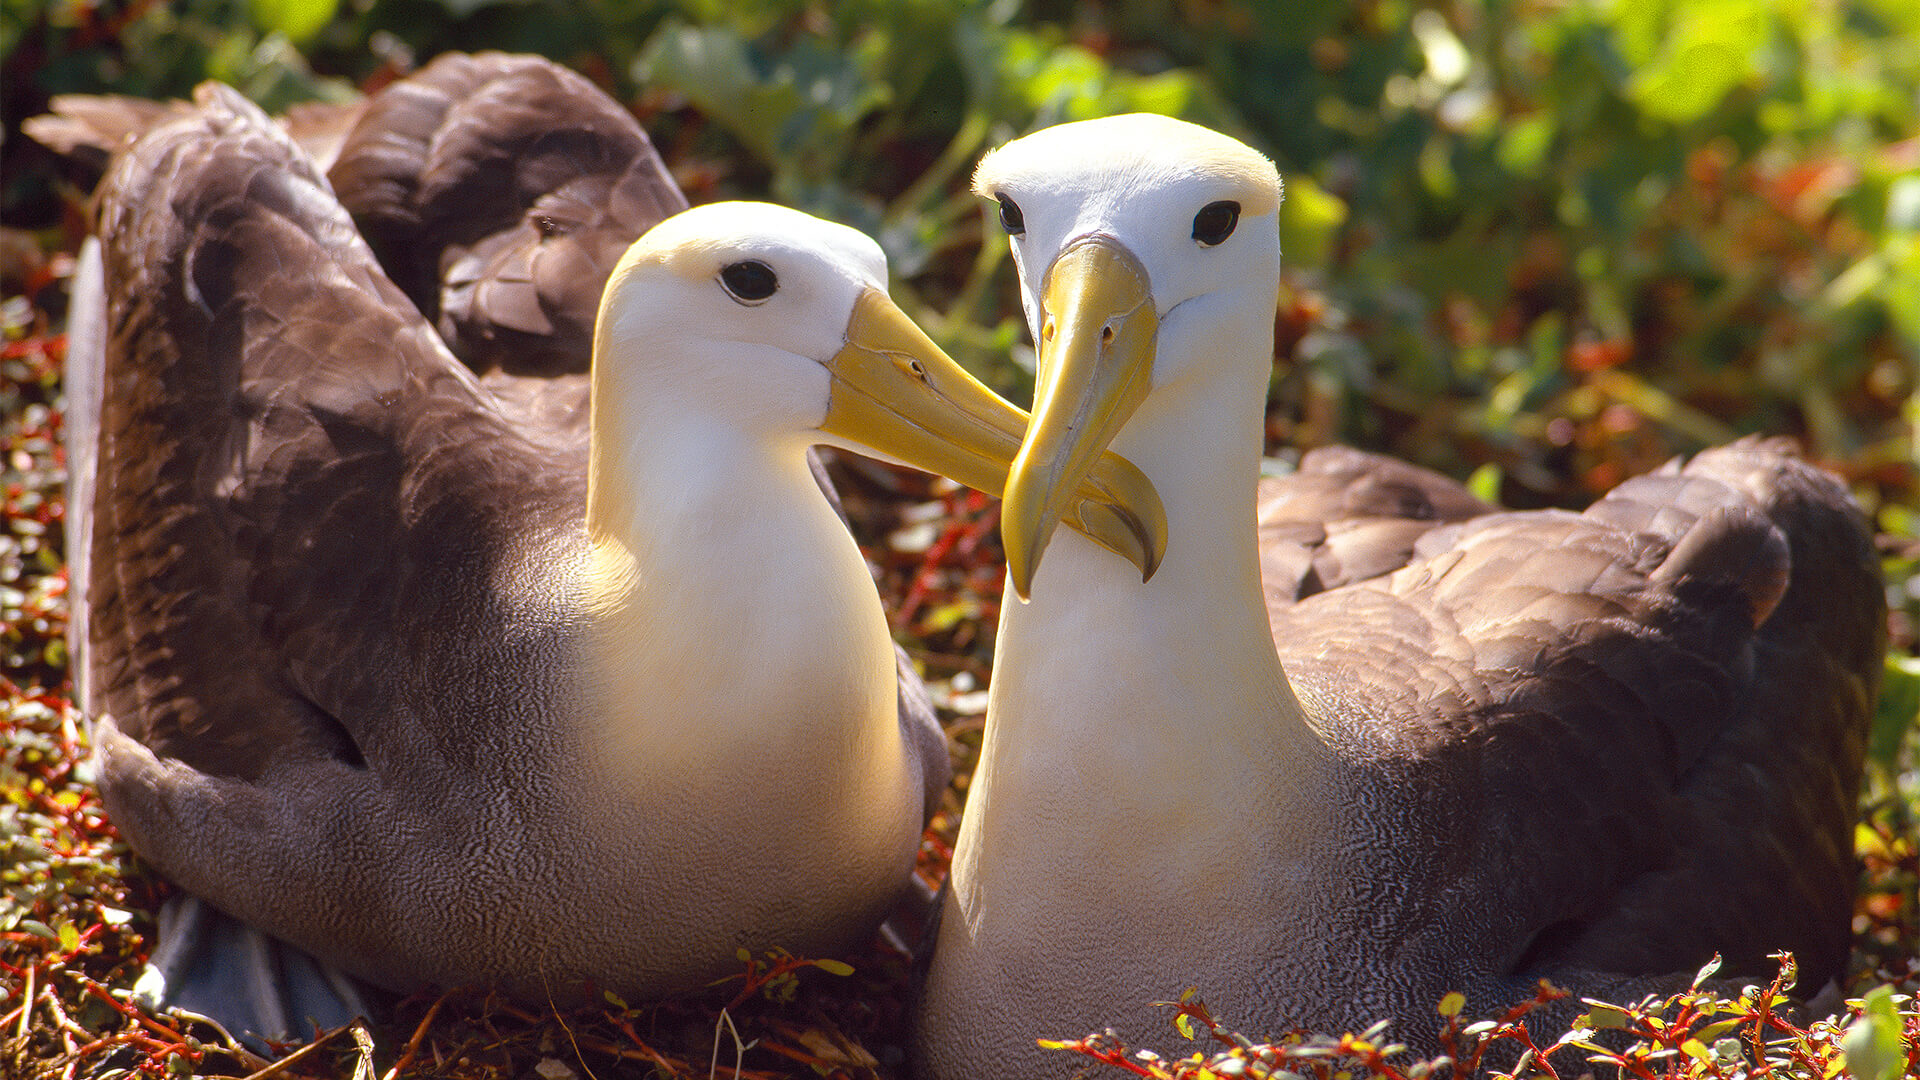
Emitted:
<point x="433" y="683"/>
<point x="1597" y="747"/>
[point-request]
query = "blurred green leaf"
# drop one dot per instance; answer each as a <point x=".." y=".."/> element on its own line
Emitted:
<point x="713" y="68"/>
<point x="1903" y="203"/>
<point x="1897" y="711"/>
<point x="298" y="20"/>
<point x="1484" y="483"/>
<point x="1874" y="1045"/>
<point x="1310" y="220"/>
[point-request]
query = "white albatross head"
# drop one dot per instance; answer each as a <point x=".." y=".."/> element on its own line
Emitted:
<point x="1129" y="233"/>
<point x="770" y="324"/>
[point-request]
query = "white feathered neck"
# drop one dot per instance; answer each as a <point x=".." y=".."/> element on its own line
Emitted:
<point x="1164" y="701"/>
<point x="736" y="629"/>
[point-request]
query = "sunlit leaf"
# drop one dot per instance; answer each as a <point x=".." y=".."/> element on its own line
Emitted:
<point x="1707" y="970"/>
<point x="299" y="20"/>
<point x="1605" y="1017"/>
<point x="1903" y="203"/>
<point x="1712" y="1032"/>
<point x="1310" y="218"/>
<point x="1484" y="482"/>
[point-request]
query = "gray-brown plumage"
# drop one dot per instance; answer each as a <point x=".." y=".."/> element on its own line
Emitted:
<point x="1345" y="516"/>
<point x="1363" y="740"/>
<point x="336" y="589"/>
<point x="498" y="191"/>
<point x="1653" y="712"/>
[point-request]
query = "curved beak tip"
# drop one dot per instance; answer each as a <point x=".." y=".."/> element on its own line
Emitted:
<point x="1096" y="363"/>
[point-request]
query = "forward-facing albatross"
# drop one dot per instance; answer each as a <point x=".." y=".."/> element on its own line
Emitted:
<point x="442" y="685"/>
<point x="1598" y="747"/>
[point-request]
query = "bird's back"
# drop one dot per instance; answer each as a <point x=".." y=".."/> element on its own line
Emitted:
<point x="291" y="469"/>
<point x="1618" y="741"/>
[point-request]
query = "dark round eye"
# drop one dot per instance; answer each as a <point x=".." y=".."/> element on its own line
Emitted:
<point x="749" y="282"/>
<point x="1215" y="221"/>
<point x="1010" y="218"/>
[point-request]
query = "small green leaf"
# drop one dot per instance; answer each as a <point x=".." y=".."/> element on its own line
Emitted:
<point x="1605" y="1017"/>
<point x="834" y="967"/>
<point x="1451" y="1004"/>
<point x="1714" y="1030"/>
<point x="1523" y="145"/>
<point x="39" y="929"/>
<point x="1183" y="1023"/>
<point x="1896" y="712"/>
<point x="1484" y="482"/>
<point x="298" y="20"/>
<point x="1310" y="219"/>
<point x="1707" y="971"/>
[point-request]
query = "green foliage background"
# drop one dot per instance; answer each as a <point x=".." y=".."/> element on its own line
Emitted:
<point x="1544" y="243"/>
<point x="1661" y="222"/>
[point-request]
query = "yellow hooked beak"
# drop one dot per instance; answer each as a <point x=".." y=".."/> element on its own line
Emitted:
<point x="896" y="392"/>
<point x="1096" y="363"/>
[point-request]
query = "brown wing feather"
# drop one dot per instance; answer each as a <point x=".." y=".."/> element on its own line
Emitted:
<point x="499" y="191"/>
<point x="277" y="421"/>
<point x="1346" y="515"/>
<point x="89" y="129"/>
<point x="1639" y="727"/>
